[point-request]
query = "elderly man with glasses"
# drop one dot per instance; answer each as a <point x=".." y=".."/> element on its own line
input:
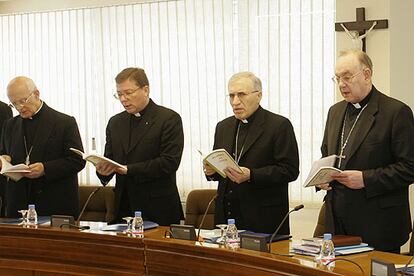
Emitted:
<point x="41" y="137"/>
<point x="372" y="134"/>
<point x="149" y="139"/>
<point x="264" y="146"/>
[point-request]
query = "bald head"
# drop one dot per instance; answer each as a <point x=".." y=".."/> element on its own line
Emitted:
<point x="24" y="96"/>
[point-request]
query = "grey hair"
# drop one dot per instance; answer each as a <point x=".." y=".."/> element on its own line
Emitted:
<point x="257" y="83"/>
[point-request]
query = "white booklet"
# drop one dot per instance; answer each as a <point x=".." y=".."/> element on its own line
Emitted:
<point x="14" y="172"/>
<point x="95" y="158"/>
<point x="219" y="160"/>
<point x="321" y="171"/>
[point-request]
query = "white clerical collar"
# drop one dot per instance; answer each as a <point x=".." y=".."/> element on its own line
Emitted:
<point x="137" y="114"/>
<point x="244" y="121"/>
<point x="37" y="111"/>
<point x="356" y="105"/>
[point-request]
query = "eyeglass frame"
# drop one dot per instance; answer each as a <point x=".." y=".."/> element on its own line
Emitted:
<point x="241" y="95"/>
<point x="125" y="94"/>
<point x="346" y="79"/>
<point x="21" y="103"/>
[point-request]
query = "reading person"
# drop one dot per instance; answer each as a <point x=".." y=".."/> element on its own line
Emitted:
<point x="264" y="146"/>
<point x="149" y="139"/>
<point x="372" y="134"/>
<point x="41" y="137"/>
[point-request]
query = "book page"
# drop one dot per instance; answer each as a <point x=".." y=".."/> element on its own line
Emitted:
<point x="321" y="170"/>
<point x="219" y="160"/>
<point x="13" y="172"/>
<point x="95" y="158"/>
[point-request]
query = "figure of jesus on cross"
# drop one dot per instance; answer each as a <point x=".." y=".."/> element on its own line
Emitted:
<point x="359" y="29"/>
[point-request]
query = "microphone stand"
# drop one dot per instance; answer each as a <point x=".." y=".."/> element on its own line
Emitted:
<point x="86" y="203"/>
<point x="297" y="208"/>
<point x="204" y="216"/>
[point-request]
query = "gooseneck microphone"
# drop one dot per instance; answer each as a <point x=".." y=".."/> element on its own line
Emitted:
<point x="204" y="216"/>
<point x="86" y="204"/>
<point x="297" y="208"/>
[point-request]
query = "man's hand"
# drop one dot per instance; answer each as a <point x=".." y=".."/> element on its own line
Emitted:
<point x="105" y="168"/>
<point x="36" y="170"/>
<point x="208" y="170"/>
<point x="351" y="179"/>
<point x="8" y="159"/>
<point x="324" y="186"/>
<point x="236" y="176"/>
<point x="121" y="170"/>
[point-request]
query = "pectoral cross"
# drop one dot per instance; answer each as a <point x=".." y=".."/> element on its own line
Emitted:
<point x="340" y="157"/>
<point x="361" y="26"/>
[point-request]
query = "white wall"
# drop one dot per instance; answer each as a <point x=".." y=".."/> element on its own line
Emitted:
<point x="20" y="6"/>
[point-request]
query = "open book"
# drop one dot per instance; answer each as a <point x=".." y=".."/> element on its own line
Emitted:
<point x="219" y="160"/>
<point x="13" y="172"/>
<point x="95" y="158"/>
<point x="321" y="171"/>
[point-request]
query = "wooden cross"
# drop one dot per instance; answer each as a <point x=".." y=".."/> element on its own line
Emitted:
<point x="361" y="25"/>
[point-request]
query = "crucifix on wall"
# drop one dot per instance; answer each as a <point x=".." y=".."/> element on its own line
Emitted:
<point x="359" y="29"/>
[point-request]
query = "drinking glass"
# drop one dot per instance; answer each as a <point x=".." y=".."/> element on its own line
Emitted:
<point x="24" y="218"/>
<point x="128" y="220"/>
<point x="222" y="238"/>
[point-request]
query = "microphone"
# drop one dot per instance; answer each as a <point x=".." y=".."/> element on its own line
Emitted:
<point x="296" y="208"/>
<point x="204" y="216"/>
<point x="86" y="204"/>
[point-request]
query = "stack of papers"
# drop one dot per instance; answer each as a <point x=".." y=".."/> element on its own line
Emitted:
<point x="311" y="247"/>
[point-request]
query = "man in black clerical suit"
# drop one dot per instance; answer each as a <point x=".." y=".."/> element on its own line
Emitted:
<point x="264" y="145"/>
<point x="149" y="139"/>
<point x="373" y="136"/>
<point x="41" y="137"/>
<point x="5" y="113"/>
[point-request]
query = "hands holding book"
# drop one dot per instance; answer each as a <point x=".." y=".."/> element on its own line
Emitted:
<point x="351" y="179"/>
<point x="231" y="173"/>
<point x="107" y="168"/>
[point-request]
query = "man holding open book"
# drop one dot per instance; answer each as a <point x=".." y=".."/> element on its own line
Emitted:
<point x="372" y="134"/>
<point x="149" y="140"/>
<point x="40" y="138"/>
<point x="264" y="146"/>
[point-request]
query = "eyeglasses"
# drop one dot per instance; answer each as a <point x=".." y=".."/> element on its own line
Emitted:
<point x="21" y="103"/>
<point x="241" y="95"/>
<point x="127" y="93"/>
<point x="346" y="79"/>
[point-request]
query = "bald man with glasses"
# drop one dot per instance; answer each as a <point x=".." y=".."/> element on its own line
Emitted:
<point x="41" y="137"/>
<point x="373" y="136"/>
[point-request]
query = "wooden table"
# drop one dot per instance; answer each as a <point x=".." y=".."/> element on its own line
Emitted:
<point x="51" y="251"/>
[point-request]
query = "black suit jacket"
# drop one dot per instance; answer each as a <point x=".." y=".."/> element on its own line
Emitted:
<point x="5" y="113"/>
<point x="271" y="154"/>
<point x="57" y="191"/>
<point x="383" y="149"/>
<point x="152" y="158"/>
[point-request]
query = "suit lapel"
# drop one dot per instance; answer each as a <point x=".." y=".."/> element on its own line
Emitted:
<point x="229" y="135"/>
<point x="16" y="150"/>
<point x="335" y="131"/>
<point x="43" y="131"/>
<point x="123" y="128"/>
<point x="362" y="127"/>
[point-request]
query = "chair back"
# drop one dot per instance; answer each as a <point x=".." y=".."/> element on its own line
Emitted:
<point x="101" y="206"/>
<point x="197" y="201"/>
